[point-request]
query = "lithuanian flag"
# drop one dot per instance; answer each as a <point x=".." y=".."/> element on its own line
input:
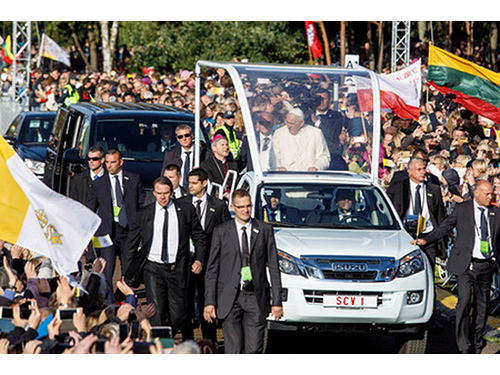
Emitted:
<point x="7" y="55"/>
<point x="39" y="219"/>
<point x="475" y="87"/>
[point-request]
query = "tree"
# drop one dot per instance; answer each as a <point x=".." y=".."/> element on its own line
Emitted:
<point x="108" y="44"/>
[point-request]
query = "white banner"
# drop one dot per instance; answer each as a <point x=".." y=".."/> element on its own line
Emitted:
<point x="52" y="50"/>
<point x="412" y="74"/>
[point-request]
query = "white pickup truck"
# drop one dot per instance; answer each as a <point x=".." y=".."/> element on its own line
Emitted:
<point x="345" y="258"/>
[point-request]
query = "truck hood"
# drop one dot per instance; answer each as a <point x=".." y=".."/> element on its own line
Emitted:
<point x="343" y="242"/>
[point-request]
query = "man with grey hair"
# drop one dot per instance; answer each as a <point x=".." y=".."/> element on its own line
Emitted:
<point x="299" y="147"/>
<point x="183" y="155"/>
<point x="414" y="196"/>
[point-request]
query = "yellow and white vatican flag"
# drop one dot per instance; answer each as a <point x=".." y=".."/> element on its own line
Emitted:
<point x="39" y="219"/>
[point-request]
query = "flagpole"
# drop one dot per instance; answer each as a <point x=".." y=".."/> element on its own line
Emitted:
<point x="310" y="54"/>
<point x="40" y="52"/>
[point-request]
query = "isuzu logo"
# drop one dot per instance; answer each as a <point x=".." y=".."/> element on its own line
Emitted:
<point x="349" y="267"/>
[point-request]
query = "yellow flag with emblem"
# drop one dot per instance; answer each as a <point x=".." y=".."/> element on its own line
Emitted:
<point x="39" y="219"/>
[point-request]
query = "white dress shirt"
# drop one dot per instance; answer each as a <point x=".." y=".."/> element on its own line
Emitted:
<point x="183" y="158"/>
<point x="173" y="234"/>
<point x="423" y="202"/>
<point x="476" y="250"/>
<point x="113" y="188"/>
<point x="203" y="208"/>
<point x="94" y="176"/>
<point x="240" y="232"/>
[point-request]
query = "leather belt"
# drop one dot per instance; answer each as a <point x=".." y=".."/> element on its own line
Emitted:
<point x="247" y="287"/>
<point x="477" y="260"/>
<point x="169" y="266"/>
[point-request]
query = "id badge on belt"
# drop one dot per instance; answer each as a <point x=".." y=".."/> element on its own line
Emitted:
<point x="246" y="274"/>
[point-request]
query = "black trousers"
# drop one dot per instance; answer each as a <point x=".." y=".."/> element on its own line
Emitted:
<point x="164" y="289"/>
<point x="431" y="251"/>
<point x="244" y="327"/>
<point x="109" y="254"/>
<point x="195" y="304"/>
<point x="473" y="289"/>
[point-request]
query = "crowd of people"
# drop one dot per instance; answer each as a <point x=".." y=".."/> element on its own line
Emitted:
<point x="451" y="151"/>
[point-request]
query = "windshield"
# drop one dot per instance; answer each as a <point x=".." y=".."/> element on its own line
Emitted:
<point x="321" y="205"/>
<point x="307" y="120"/>
<point x="145" y="138"/>
<point x="37" y="131"/>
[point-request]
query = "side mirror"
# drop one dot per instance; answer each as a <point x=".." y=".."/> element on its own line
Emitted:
<point x="11" y="141"/>
<point x="72" y="155"/>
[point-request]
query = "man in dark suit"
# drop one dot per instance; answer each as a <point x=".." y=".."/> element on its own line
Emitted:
<point x="218" y="164"/>
<point x="474" y="259"/>
<point x="236" y="287"/>
<point x="183" y="155"/>
<point x="264" y="122"/>
<point x="158" y="248"/>
<point x="173" y="173"/>
<point x="81" y="184"/>
<point x="419" y="153"/>
<point x="115" y="197"/>
<point x="211" y="212"/>
<point x="331" y="124"/>
<point x="345" y="212"/>
<point x="413" y="196"/>
<point x="276" y="211"/>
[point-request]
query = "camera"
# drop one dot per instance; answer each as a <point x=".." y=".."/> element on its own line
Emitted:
<point x="141" y="347"/>
<point x="65" y="314"/>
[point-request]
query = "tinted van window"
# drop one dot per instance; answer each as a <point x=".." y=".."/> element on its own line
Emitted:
<point x="138" y="138"/>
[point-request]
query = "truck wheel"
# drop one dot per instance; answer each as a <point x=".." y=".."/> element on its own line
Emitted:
<point x="412" y="344"/>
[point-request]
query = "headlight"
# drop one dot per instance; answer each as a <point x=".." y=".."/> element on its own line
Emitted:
<point x="35" y="166"/>
<point x="411" y="264"/>
<point x="288" y="263"/>
<point x="292" y="266"/>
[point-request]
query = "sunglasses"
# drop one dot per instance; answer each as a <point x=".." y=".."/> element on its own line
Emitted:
<point x="180" y="136"/>
<point x="94" y="159"/>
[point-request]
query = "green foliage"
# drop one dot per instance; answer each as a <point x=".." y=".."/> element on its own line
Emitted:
<point x="178" y="45"/>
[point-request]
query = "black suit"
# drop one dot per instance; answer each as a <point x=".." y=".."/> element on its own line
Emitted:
<point x="101" y="201"/>
<point x="399" y="193"/>
<point x="469" y="331"/>
<point x="174" y="157"/>
<point x="165" y="286"/>
<point x="80" y="187"/>
<point x="215" y="213"/>
<point x="215" y="169"/>
<point x="287" y="214"/>
<point x="331" y="124"/>
<point x="222" y="285"/>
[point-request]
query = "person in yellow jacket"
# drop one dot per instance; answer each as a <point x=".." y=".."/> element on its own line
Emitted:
<point x="70" y="94"/>
<point x="227" y="131"/>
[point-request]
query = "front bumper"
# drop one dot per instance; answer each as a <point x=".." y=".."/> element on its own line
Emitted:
<point x="303" y="306"/>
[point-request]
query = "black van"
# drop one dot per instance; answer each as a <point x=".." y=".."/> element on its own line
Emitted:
<point x="141" y="132"/>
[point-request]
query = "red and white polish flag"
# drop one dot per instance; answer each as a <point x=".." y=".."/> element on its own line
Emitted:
<point x="313" y="40"/>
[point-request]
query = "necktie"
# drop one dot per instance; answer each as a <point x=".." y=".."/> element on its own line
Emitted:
<point x="417" y="208"/>
<point x="272" y="215"/>
<point x="122" y="215"/>
<point x="164" y="245"/>
<point x="245" y="259"/>
<point x="483" y="226"/>
<point x="265" y="143"/>
<point x="187" y="164"/>
<point x="198" y="209"/>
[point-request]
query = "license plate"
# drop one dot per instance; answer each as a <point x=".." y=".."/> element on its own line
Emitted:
<point x="330" y="300"/>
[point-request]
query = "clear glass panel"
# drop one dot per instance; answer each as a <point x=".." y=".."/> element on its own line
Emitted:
<point x="321" y="205"/>
<point x="307" y="120"/>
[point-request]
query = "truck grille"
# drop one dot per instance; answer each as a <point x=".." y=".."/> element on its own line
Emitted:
<point x="331" y="275"/>
<point x="352" y="268"/>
